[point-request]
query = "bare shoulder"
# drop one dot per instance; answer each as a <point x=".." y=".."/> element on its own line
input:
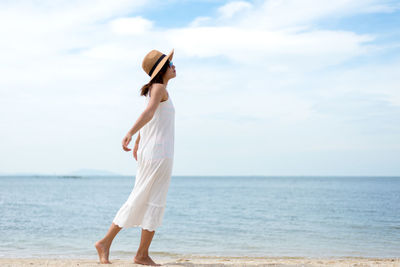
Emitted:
<point x="159" y="90"/>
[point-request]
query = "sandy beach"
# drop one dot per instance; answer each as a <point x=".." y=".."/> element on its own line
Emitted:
<point x="209" y="261"/>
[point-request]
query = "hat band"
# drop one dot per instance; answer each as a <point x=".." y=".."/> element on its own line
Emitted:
<point x="155" y="65"/>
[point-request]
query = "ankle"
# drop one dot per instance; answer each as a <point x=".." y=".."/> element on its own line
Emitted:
<point x="142" y="254"/>
<point x="105" y="242"/>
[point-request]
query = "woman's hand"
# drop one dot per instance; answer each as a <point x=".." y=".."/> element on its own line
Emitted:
<point x="135" y="149"/>
<point x="125" y="142"/>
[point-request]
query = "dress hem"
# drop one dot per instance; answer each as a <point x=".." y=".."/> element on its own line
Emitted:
<point x="151" y="229"/>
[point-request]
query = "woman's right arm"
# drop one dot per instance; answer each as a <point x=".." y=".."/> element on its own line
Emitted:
<point x="137" y="139"/>
<point x="157" y="93"/>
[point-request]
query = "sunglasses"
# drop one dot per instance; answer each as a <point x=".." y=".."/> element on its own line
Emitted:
<point x="171" y="63"/>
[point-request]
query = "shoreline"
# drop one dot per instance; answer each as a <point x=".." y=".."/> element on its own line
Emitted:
<point x="209" y="261"/>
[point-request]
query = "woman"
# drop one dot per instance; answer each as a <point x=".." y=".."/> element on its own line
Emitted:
<point x="154" y="151"/>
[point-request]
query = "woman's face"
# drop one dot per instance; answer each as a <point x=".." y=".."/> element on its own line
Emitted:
<point x="170" y="73"/>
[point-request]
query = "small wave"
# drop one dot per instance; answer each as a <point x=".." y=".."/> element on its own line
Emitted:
<point x="69" y="177"/>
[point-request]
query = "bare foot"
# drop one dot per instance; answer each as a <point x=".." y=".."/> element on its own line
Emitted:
<point x="145" y="261"/>
<point x="103" y="252"/>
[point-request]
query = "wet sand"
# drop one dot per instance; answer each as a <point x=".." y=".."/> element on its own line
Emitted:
<point x="209" y="261"/>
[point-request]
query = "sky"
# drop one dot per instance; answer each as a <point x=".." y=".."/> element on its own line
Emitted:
<point x="274" y="87"/>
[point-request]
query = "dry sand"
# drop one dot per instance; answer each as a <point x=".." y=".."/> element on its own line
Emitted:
<point x="209" y="261"/>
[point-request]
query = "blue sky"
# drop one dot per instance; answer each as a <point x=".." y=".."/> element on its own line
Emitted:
<point x="178" y="13"/>
<point x="274" y="87"/>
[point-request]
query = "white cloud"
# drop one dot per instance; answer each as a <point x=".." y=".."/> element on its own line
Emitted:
<point x="309" y="50"/>
<point x="131" y="25"/>
<point x="228" y="10"/>
<point x="200" y="21"/>
<point x="379" y="80"/>
<point x="112" y="51"/>
<point x="278" y="14"/>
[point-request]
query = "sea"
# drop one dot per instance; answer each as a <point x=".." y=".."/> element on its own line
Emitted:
<point x="239" y="216"/>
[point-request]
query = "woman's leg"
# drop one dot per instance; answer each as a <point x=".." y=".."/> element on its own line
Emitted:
<point x="103" y="245"/>
<point x="142" y="255"/>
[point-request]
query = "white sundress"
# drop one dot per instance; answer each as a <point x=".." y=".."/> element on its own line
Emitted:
<point x="146" y="203"/>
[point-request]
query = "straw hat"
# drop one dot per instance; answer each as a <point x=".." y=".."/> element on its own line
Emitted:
<point x="153" y="62"/>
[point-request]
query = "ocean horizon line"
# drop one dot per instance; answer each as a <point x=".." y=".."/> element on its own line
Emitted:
<point x="189" y="175"/>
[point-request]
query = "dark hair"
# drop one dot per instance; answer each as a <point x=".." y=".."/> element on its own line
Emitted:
<point x="157" y="79"/>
